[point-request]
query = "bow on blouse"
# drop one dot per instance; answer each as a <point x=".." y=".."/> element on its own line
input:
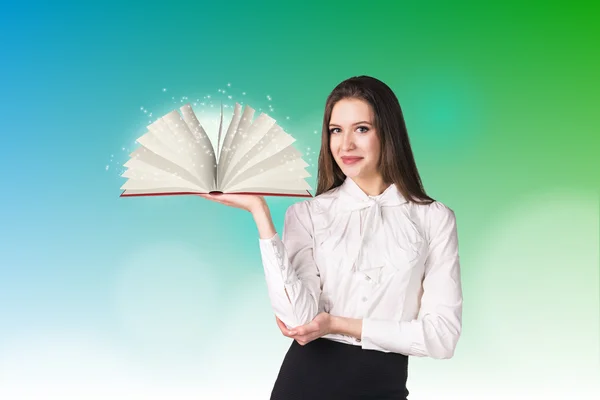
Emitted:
<point x="373" y="225"/>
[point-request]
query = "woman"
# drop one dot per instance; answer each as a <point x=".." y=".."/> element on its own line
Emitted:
<point x="367" y="272"/>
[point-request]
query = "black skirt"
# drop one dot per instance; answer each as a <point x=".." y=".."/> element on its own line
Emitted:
<point x="329" y="370"/>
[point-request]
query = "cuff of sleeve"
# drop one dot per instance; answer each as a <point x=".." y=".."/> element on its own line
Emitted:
<point x="268" y="240"/>
<point x="389" y="336"/>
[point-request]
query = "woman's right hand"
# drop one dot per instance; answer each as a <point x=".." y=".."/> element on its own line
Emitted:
<point x="246" y="202"/>
<point x="255" y="204"/>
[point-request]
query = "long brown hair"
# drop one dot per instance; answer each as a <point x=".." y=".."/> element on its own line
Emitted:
<point x="396" y="164"/>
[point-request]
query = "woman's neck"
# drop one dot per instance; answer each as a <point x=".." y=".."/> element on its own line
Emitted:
<point x="373" y="186"/>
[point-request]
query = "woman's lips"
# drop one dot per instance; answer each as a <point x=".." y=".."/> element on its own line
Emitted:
<point x="351" y="160"/>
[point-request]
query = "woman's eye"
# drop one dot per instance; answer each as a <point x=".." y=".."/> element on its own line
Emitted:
<point x="333" y="130"/>
<point x="365" y="129"/>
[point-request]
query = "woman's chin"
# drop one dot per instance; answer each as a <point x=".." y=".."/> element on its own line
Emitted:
<point x="351" y="172"/>
<point x="358" y="174"/>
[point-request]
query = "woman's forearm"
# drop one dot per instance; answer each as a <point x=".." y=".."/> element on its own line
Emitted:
<point x="346" y="326"/>
<point x="263" y="220"/>
<point x="264" y="224"/>
<point x="266" y="230"/>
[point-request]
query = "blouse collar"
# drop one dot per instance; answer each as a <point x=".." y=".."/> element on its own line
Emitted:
<point x="390" y="196"/>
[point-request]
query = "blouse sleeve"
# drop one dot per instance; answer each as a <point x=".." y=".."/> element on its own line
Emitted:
<point x="436" y="330"/>
<point x="293" y="280"/>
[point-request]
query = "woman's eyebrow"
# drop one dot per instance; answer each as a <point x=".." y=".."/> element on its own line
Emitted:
<point x="356" y="123"/>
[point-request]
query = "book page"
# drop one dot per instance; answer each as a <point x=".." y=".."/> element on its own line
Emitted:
<point x="205" y="154"/>
<point x="290" y="175"/>
<point x="170" y="138"/>
<point x="151" y="178"/>
<point x="226" y="152"/>
<point x="289" y="154"/>
<point x="158" y="185"/>
<point x="164" y="157"/>
<point x="219" y="134"/>
<point x="144" y="161"/>
<point x="166" y="142"/>
<point x="245" y="138"/>
<point x="192" y="150"/>
<point x="230" y="146"/>
<point x="275" y="141"/>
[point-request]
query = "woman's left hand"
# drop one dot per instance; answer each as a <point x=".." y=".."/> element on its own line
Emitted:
<point x="319" y="326"/>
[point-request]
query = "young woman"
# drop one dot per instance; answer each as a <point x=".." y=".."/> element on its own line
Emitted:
<point x="367" y="272"/>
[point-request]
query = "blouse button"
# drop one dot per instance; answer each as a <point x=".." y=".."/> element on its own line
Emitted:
<point x="364" y="299"/>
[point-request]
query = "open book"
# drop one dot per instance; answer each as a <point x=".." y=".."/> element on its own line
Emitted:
<point x="177" y="157"/>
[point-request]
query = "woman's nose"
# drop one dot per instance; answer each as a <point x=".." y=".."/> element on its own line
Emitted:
<point x="347" y="141"/>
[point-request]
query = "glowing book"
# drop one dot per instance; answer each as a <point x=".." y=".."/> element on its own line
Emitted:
<point x="177" y="157"/>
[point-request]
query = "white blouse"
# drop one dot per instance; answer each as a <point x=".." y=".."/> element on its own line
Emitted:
<point x="392" y="263"/>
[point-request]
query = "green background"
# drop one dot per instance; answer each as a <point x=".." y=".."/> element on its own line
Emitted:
<point x="164" y="298"/>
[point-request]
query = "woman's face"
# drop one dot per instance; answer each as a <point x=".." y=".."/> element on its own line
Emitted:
<point x="353" y="140"/>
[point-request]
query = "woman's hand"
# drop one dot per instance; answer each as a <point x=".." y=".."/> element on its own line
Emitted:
<point x="318" y="327"/>
<point x="246" y="202"/>
<point x="255" y="204"/>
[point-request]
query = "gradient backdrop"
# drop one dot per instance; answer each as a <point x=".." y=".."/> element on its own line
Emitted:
<point x="163" y="298"/>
